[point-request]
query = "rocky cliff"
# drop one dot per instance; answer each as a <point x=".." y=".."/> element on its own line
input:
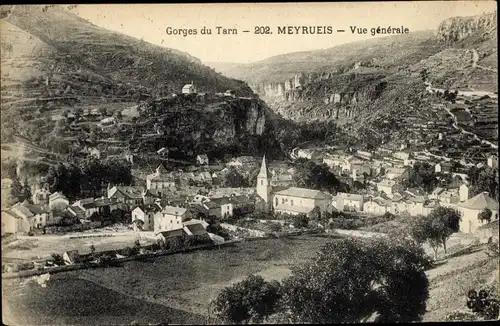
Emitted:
<point x="458" y="28"/>
<point x="239" y="126"/>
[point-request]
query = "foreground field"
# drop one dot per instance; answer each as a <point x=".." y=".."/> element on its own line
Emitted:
<point x="185" y="283"/>
<point x="72" y="301"/>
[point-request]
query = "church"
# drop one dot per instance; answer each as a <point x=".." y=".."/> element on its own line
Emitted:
<point x="285" y="199"/>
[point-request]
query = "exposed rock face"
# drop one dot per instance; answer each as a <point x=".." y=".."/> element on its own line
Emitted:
<point x="458" y="28"/>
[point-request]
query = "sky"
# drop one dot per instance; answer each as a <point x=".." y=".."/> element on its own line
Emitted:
<point x="150" y="21"/>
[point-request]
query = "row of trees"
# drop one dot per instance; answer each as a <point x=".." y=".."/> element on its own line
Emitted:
<point x="88" y="178"/>
<point x="349" y="281"/>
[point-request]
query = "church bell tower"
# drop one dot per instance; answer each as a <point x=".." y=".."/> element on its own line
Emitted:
<point x="263" y="183"/>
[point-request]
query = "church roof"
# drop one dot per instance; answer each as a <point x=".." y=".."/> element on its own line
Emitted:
<point x="480" y="202"/>
<point x="303" y="193"/>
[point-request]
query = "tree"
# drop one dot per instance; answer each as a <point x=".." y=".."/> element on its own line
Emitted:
<point x="311" y="175"/>
<point x="16" y="189"/>
<point x="353" y="280"/>
<point x="300" y="221"/>
<point x="251" y="300"/>
<point x="234" y="179"/>
<point x="436" y="227"/>
<point x="485" y="215"/>
<point x="26" y="190"/>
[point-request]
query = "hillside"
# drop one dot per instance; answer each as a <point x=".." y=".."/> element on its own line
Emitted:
<point x="54" y="62"/>
<point x="83" y="54"/>
<point x="377" y="89"/>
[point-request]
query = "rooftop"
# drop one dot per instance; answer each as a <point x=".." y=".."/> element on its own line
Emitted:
<point x="303" y="193"/>
<point x="480" y="202"/>
<point x="296" y="209"/>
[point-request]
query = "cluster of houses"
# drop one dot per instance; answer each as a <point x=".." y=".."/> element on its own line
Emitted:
<point x="413" y="202"/>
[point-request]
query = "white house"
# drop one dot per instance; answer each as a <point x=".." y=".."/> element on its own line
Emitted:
<point x="169" y="218"/>
<point x="189" y="89"/>
<point x="470" y="209"/>
<point x="348" y="202"/>
<point x="386" y="186"/>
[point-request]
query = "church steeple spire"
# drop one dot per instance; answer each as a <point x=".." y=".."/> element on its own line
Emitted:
<point x="263" y="169"/>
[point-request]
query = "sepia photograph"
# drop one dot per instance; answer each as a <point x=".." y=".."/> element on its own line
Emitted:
<point x="249" y="163"/>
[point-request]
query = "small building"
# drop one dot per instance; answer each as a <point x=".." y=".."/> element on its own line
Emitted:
<point x="230" y="93"/>
<point x="13" y="222"/>
<point x="171" y="236"/>
<point x="160" y="179"/>
<point x="470" y="209"/>
<point x="493" y="161"/>
<point x="41" y="196"/>
<point x="170" y="218"/>
<point x="126" y="197"/>
<point x="202" y="159"/>
<point x="386" y="186"/>
<point x="143" y="217"/>
<point x="281" y="180"/>
<point x="395" y="173"/>
<point x="162" y="151"/>
<point x="41" y="214"/>
<point x="189" y="89"/>
<point x="349" y="202"/>
<point x="243" y="161"/>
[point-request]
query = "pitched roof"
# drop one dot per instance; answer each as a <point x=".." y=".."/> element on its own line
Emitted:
<point x="130" y="192"/>
<point x="303" y="193"/>
<point x="21" y="210"/>
<point x="173" y="210"/>
<point x="480" y="202"/>
<point x="282" y="177"/>
<point x="35" y="209"/>
<point x="203" y="156"/>
<point x="172" y="233"/>
<point x="195" y="229"/>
